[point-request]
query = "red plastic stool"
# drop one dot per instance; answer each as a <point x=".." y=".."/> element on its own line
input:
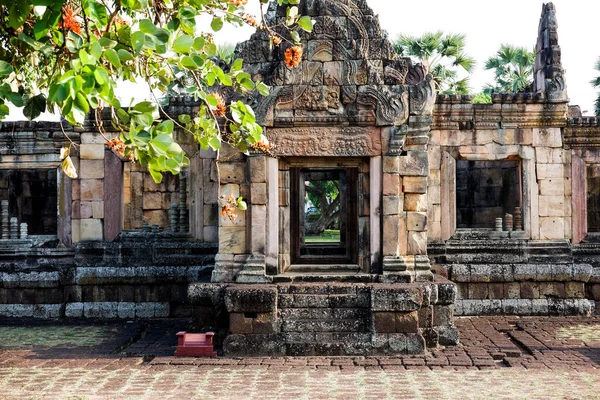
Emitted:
<point x="195" y="345"/>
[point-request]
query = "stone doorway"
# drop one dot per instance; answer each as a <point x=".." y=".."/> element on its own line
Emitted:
<point x="324" y="216"/>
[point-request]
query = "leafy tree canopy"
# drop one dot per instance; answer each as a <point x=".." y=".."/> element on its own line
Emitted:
<point x="596" y="83"/>
<point x="67" y="57"/>
<point x="444" y="54"/>
<point x="513" y="69"/>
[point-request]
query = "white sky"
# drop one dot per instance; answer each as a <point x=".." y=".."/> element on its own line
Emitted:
<point x="487" y="24"/>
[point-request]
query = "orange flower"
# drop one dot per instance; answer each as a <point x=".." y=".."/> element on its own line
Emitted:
<point x="68" y="20"/>
<point x="220" y="108"/>
<point x="293" y="56"/>
<point x="239" y="3"/>
<point x="117" y="146"/>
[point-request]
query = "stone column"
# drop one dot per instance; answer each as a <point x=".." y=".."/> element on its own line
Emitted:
<point x="254" y="269"/>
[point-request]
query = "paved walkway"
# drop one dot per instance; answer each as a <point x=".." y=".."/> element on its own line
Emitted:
<point x="499" y="357"/>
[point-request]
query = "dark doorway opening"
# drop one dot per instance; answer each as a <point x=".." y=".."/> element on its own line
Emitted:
<point x="324" y="220"/>
<point x="486" y="190"/>
<point x="32" y="198"/>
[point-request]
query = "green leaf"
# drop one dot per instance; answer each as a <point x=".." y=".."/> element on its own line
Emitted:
<point x="145" y="107"/>
<point x="112" y="57"/>
<point x="216" y="24"/>
<point x="96" y="50"/>
<point x="237" y="64"/>
<point x="138" y="39"/>
<point x="81" y="103"/>
<point x="210" y="49"/>
<point x="124" y="55"/>
<point x="18" y="13"/>
<point x="5" y="68"/>
<point x="183" y="44"/>
<point x="166" y="127"/>
<point x="34" y="106"/>
<point x="40" y="29"/>
<point x="156" y="175"/>
<point x="262" y="89"/>
<point x="295" y="36"/>
<point x="306" y="23"/>
<point x="162" y="141"/>
<point x="147" y="26"/>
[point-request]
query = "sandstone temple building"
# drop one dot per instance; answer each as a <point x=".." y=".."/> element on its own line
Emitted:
<point x="387" y="211"/>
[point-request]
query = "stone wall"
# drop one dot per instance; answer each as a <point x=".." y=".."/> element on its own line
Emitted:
<point x="326" y="318"/>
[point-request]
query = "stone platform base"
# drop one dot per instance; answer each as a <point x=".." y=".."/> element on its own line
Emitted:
<point x="327" y="318"/>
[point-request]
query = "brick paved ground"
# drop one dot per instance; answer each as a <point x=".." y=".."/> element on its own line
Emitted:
<point x="499" y="357"/>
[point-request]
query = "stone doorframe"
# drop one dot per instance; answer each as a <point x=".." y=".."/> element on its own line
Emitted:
<point x="529" y="189"/>
<point x="369" y="225"/>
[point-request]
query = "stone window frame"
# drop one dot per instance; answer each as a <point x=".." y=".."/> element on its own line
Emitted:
<point x="63" y="193"/>
<point x="529" y="189"/>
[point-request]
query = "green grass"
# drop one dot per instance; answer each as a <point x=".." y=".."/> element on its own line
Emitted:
<point x="329" y="236"/>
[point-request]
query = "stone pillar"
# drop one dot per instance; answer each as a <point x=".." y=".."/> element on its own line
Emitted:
<point x="405" y="172"/>
<point x="254" y="269"/>
<point x="5" y="226"/>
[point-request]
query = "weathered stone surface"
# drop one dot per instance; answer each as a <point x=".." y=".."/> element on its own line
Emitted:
<point x="251" y="298"/>
<point x="399" y="299"/>
<point x="349" y="141"/>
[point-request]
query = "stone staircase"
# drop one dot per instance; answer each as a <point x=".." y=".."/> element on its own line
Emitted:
<point x="321" y="319"/>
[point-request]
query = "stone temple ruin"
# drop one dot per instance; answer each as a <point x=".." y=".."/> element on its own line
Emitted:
<point x="388" y="211"/>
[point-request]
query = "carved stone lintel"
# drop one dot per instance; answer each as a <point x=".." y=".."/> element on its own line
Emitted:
<point x="334" y="141"/>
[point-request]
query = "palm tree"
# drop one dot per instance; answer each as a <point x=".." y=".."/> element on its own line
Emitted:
<point x="513" y="69"/>
<point x="596" y="83"/>
<point x="444" y="54"/>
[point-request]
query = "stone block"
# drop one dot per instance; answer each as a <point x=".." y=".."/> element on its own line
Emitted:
<point x="552" y="228"/>
<point x="550" y="171"/>
<point x="415" y="163"/>
<point x="415" y="343"/>
<point x="543" y="272"/>
<point x="460" y="273"/>
<point x="539" y="307"/>
<point x="551" y="206"/>
<point x="552" y="290"/>
<point x="152" y="201"/>
<point x="396" y="298"/>
<point x="391" y="236"/>
<point x="91" y="189"/>
<point x="97" y="209"/>
<point x="232" y="240"/>
<point x="91" y="151"/>
<point x="91" y="169"/>
<point x="575" y="290"/>
<point x="407" y="322"/>
<point x="478" y="291"/>
<point x="251" y="298"/>
<point x="416" y="221"/>
<point x="391" y="165"/>
<point x="582" y="272"/>
<point x="232" y="173"/>
<point x="549" y="137"/>
<point x="393" y="205"/>
<point x="258" y="193"/>
<point x="157" y="217"/>
<point x="446" y="293"/>
<point x="562" y="272"/>
<point x="512" y="290"/>
<point x="525" y="272"/>
<point x="552" y="187"/>
<point x="384" y="322"/>
<point x="530" y="290"/>
<point x="442" y="315"/>
<point x="392" y="185"/>
<point x="74" y="310"/>
<point x="320" y="50"/>
<point x="448" y="335"/>
<point x="416" y="243"/>
<point x="258" y="169"/>
<point x="414" y="184"/>
<point x="416" y="202"/>
<point x="90" y="230"/>
<point x="496" y="291"/>
<point x="239" y="324"/>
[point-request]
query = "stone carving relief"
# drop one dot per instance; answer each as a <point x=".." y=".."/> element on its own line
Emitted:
<point x="340" y="142"/>
<point x="422" y="97"/>
<point x="390" y="103"/>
